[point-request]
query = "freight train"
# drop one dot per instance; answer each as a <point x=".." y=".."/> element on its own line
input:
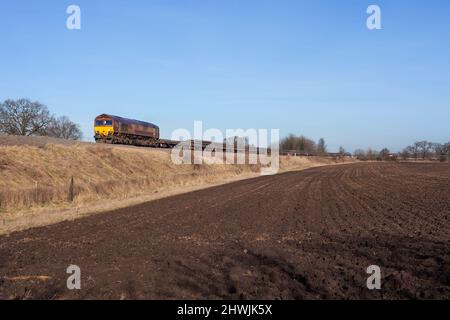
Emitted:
<point x="117" y="130"/>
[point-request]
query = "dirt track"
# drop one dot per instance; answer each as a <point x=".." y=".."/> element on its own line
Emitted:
<point x="308" y="234"/>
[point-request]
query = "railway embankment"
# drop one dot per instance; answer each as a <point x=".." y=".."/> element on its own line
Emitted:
<point x="47" y="181"/>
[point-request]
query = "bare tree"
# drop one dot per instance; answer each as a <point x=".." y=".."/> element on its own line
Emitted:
<point x="368" y="155"/>
<point x="447" y="148"/>
<point x="63" y="128"/>
<point x="342" y="151"/>
<point x="23" y="117"/>
<point x="413" y="150"/>
<point x="321" y="146"/>
<point x="360" y="154"/>
<point x="442" y="151"/>
<point x="372" y="154"/>
<point x="405" y="154"/>
<point x="424" y="148"/>
<point x="298" y="143"/>
<point x="384" y="154"/>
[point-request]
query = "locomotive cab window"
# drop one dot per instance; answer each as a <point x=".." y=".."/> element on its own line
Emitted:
<point x="103" y="123"/>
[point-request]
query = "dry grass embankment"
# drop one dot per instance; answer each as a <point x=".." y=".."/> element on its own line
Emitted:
<point x="35" y="179"/>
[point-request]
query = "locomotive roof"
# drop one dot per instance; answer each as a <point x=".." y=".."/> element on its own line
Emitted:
<point x="128" y="121"/>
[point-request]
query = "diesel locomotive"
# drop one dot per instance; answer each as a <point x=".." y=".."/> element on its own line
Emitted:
<point x="117" y="130"/>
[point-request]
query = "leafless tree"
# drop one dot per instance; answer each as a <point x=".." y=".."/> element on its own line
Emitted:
<point x="63" y="128"/>
<point x="372" y="154"/>
<point x="321" y="146"/>
<point x="23" y="117"/>
<point x="27" y="118"/>
<point x="413" y="150"/>
<point x="384" y="154"/>
<point x="405" y="154"/>
<point x="424" y="148"/>
<point x="360" y="154"/>
<point x="442" y="151"/>
<point x="298" y="143"/>
<point x="447" y="148"/>
<point x="367" y="155"/>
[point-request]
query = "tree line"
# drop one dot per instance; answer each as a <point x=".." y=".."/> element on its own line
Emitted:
<point x="419" y="150"/>
<point x="426" y="150"/>
<point x="423" y="150"/>
<point x="26" y="118"/>
<point x="302" y="144"/>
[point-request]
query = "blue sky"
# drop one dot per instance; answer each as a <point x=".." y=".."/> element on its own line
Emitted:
<point x="305" y="67"/>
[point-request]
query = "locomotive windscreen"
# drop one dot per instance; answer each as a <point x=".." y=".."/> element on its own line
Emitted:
<point x="103" y="123"/>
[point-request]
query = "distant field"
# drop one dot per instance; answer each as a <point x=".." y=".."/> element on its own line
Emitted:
<point x="36" y="173"/>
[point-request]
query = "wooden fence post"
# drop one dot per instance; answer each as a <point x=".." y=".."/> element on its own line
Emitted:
<point x="36" y="191"/>
<point x="71" y="190"/>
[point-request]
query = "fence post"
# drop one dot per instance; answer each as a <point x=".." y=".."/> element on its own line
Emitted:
<point x="36" y="191"/>
<point x="71" y="190"/>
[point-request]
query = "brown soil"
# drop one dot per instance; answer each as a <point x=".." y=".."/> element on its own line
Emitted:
<point x="299" y="235"/>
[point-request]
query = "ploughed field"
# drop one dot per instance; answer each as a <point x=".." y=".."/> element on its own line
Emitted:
<point x="299" y="235"/>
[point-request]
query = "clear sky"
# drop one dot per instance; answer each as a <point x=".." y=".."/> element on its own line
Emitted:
<point x="305" y="67"/>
